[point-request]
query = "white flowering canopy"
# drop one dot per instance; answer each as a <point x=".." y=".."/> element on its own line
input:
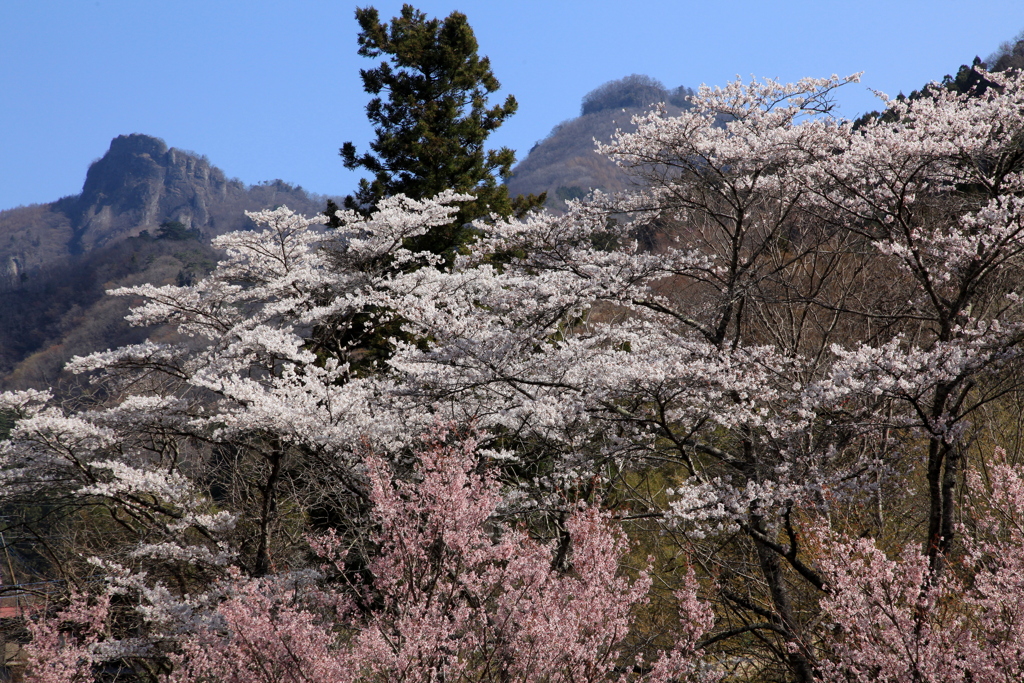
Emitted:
<point x="782" y="302"/>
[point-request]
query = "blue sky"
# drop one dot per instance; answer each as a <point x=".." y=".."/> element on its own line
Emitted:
<point x="271" y="89"/>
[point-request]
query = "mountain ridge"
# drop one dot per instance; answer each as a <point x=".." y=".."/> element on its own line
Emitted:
<point x="146" y="213"/>
<point x="137" y="185"/>
<point x="566" y="165"/>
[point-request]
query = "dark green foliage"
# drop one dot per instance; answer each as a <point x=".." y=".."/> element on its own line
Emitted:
<point x="6" y="423"/>
<point x="176" y="231"/>
<point x="634" y="91"/>
<point x="331" y="213"/>
<point x="564" y="193"/>
<point x="969" y="80"/>
<point x="431" y="118"/>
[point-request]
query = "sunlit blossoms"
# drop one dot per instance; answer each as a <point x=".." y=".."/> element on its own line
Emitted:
<point x="795" y="333"/>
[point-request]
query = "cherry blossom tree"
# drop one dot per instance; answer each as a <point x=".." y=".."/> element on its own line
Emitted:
<point x="619" y="358"/>
<point x="937" y="193"/>
<point x="238" y="402"/>
<point x="212" y="450"/>
<point x="752" y="350"/>
<point x="815" y="318"/>
<point x="895" y="619"/>
<point x="453" y="595"/>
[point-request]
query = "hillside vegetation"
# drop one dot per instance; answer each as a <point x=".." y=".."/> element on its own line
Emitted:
<point x="566" y="165"/>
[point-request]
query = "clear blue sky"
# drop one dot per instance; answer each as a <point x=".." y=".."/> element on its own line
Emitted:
<point x="271" y="89"/>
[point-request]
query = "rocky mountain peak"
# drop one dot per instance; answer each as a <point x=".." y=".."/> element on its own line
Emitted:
<point x="139" y="184"/>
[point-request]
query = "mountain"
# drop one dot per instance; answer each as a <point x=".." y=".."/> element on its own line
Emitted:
<point x="565" y="163"/>
<point x="57" y="259"/>
<point x="136" y="186"/>
<point x="146" y="213"/>
<point x="140" y="183"/>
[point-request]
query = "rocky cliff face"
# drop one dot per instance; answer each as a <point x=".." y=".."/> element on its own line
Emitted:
<point x="139" y="184"/>
<point x="58" y="259"/>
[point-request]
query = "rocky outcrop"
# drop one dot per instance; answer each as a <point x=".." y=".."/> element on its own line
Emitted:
<point x="58" y="259"/>
<point x="565" y="163"/>
<point x="139" y="184"/>
<point x="136" y="186"/>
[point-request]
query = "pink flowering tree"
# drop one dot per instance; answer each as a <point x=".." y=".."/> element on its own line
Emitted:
<point x="791" y="320"/>
<point x="897" y="619"/>
<point x="454" y="594"/>
<point x="65" y="646"/>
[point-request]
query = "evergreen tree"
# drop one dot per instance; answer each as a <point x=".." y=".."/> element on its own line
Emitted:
<point x="431" y="117"/>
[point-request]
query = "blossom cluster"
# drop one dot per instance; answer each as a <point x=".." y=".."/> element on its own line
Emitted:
<point x="792" y="317"/>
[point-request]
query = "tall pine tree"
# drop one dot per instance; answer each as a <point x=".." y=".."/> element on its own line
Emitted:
<point x="431" y="118"/>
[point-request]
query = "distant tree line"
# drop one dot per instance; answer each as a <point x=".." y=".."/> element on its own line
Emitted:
<point x="636" y="90"/>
